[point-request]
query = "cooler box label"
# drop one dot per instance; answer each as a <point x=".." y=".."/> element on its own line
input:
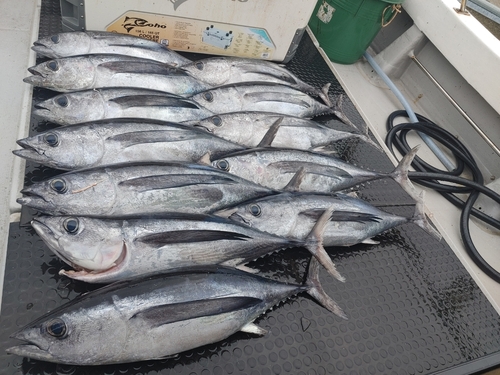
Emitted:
<point x="191" y="35"/>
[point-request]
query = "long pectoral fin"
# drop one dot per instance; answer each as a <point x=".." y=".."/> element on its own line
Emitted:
<point x="142" y="67"/>
<point x="256" y="97"/>
<point x="153" y="136"/>
<point x="358" y="217"/>
<point x="167" y="100"/>
<point x="311" y="168"/>
<point x="176" y="312"/>
<point x="170" y="181"/>
<point x="190" y="236"/>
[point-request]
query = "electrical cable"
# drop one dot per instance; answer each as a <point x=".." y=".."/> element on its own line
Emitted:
<point x="429" y="176"/>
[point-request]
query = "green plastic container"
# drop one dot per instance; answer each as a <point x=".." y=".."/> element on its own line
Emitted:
<point x="345" y="28"/>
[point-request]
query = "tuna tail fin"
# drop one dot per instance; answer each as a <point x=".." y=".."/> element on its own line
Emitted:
<point x="336" y="109"/>
<point x="400" y="174"/>
<point x="323" y="94"/>
<point x="314" y="243"/>
<point x="420" y="219"/>
<point x="316" y="290"/>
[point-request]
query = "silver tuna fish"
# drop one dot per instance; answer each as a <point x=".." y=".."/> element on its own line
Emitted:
<point x="261" y="97"/>
<point x="160" y="316"/>
<point x="292" y="215"/>
<point x="251" y="128"/>
<point x="304" y="170"/>
<point x="107" y="250"/>
<point x="101" y="42"/>
<point x="95" y="71"/>
<point x="139" y="190"/>
<point x="108" y="103"/>
<point x="219" y="71"/>
<point x="120" y="141"/>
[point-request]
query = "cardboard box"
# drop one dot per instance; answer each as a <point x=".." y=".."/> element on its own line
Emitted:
<point x="263" y="29"/>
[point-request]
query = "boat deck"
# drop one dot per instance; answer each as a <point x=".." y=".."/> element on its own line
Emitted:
<point x="416" y="305"/>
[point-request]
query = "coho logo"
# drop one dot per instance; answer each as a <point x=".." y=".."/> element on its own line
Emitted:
<point x="131" y="23"/>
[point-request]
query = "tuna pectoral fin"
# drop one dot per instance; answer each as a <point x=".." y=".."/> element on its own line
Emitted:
<point x="170" y="101"/>
<point x="311" y="168"/>
<point x="189" y="236"/>
<point x="252" y="328"/>
<point x="257" y="97"/>
<point x="314" y="243"/>
<point x="171" y="181"/>
<point x="176" y="312"/>
<point x="294" y="183"/>
<point x="153" y="136"/>
<point x="142" y="67"/>
<point x="316" y="290"/>
<point x="358" y="217"/>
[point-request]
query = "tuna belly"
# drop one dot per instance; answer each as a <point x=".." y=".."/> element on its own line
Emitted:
<point x="169" y="339"/>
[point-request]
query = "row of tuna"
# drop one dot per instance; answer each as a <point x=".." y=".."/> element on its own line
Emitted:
<point x="179" y="174"/>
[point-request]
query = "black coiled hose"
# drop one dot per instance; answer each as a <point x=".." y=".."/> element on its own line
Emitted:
<point x="429" y="176"/>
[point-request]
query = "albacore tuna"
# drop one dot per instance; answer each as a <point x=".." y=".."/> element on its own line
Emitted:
<point x="251" y="128"/>
<point x="157" y="317"/>
<point x="101" y="42"/>
<point x="261" y="97"/>
<point x="108" y="250"/>
<point x="118" y="102"/>
<point x="304" y="170"/>
<point x="294" y="214"/>
<point x="139" y="190"/>
<point x="219" y="71"/>
<point x="95" y="71"/>
<point x="125" y="141"/>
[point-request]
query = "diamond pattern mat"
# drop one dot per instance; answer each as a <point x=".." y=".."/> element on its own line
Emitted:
<point x="412" y="307"/>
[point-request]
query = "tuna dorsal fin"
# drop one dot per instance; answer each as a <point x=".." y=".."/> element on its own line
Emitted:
<point x="256" y="97"/>
<point x="358" y="217"/>
<point x="154" y="136"/>
<point x="171" y="181"/>
<point x="311" y="168"/>
<point x="142" y="67"/>
<point x="165" y="314"/>
<point x="189" y="236"/>
<point x="252" y="328"/>
<point x="130" y="101"/>
<point x="268" y="138"/>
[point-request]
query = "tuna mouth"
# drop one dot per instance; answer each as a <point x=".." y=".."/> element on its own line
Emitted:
<point x="49" y="237"/>
<point x="240" y="219"/>
<point x="32" y="351"/>
<point x="38" y="106"/>
<point x="35" y="72"/>
<point x="199" y="126"/>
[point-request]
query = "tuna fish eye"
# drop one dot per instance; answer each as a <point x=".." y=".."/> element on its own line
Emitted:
<point x="199" y="65"/>
<point x="209" y="97"/>
<point x="51" y="139"/>
<point x="62" y="101"/>
<point x="71" y="225"/>
<point x="217" y="121"/>
<point x="56" y="328"/>
<point x="255" y="210"/>
<point x="53" y="65"/>
<point x="59" y="186"/>
<point x="222" y="164"/>
<point x="55" y="38"/>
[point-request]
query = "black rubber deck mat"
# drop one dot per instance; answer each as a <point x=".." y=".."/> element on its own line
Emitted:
<point x="412" y="306"/>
